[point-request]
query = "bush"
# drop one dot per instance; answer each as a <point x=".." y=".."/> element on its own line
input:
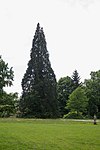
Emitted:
<point x="73" y="115"/>
<point x="6" y="110"/>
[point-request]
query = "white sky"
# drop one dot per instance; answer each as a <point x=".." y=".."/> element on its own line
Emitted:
<point x="71" y="27"/>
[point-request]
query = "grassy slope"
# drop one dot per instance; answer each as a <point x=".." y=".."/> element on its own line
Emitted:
<point x="20" y="134"/>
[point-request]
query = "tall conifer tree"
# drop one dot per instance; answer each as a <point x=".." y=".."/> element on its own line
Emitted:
<point x="39" y="97"/>
<point x="75" y="79"/>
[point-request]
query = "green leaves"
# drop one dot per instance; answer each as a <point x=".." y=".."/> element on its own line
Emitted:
<point x="64" y="89"/>
<point x="7" y="101"/>
<point x="6" y="74"/>
<point x="78" y="100"/>
<point x="93" y="93"/>
<point x="8" y="104"/>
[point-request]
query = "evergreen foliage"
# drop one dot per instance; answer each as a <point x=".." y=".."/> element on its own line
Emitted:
<point x="75" y="79"/>
<point x="39" y="96"/>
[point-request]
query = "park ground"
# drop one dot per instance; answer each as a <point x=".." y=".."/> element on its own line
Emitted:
<point x="49" y="134"/>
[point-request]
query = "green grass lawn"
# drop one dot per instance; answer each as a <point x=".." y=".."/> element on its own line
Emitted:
<point x="31" y="134"/>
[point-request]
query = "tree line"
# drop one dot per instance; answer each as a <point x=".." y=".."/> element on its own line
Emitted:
<point x="44" y="97"/>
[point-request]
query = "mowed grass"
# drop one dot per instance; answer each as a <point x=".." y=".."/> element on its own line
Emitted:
<point x="31" y="134"/>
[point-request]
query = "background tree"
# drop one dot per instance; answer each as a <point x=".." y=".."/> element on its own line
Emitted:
<point x="75" y="79"/>
<point x="64" y="89"/>
<point x="6" y="74"/>
<point x="8" y="104"/>
<point x="93" y="93"/>
<point x="78" y="101"/>
<point x="39" y="96"/>
<point x="7" y="101"/>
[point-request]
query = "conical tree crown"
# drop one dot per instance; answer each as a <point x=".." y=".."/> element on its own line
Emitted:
<point x="75" y="79"/>
<point x="39" y="81"/>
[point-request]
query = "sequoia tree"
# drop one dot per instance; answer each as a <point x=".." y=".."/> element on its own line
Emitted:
<point x="39" y="96"/>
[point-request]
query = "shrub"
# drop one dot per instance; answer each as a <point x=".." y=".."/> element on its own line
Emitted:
<point x="73" y="115"/>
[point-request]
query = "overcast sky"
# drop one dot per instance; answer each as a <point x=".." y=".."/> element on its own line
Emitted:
<point x="71" y="27"/>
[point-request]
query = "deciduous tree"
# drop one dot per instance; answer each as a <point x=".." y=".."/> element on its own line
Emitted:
<point x="78" y="101"/>
<point x="7" y="101"/>
<point x="6" y="74"/>
<point x="93" y="93"/>
<point x="64" y="89"/>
